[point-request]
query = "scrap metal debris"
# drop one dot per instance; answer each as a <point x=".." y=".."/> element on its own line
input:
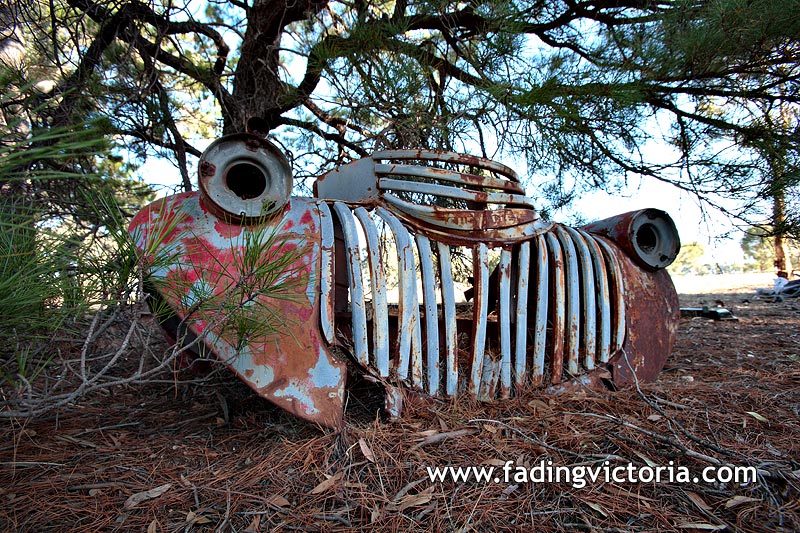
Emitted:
<point x="714" y="313"/>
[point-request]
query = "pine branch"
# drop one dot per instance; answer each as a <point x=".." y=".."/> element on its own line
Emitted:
<point x="329" y="136"/>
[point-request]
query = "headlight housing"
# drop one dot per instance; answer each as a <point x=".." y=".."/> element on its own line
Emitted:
<point x="244" y="178"/>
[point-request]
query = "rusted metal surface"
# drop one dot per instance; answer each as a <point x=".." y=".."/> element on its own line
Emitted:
<point x="521" y="318"/>
<point x="449" y="319"/>
<point x="563" y="308"/>
<point x="448" y="157"/>
<point x="431" y="313"/>
<point x="648" y="236"/>
<point x="617" y="296"/>
<point x="509" y="185"/>
<point x="409" y="327"/>
<point x="479" y="315"/>
<point x="421" y="195"/>
<point x="294" y="369"/>
<point x="380" y="307"/>
<point x="455" y="193"/>
<point x="358" y="310"/>
<point x="244" y="178"/>
<point x="603" y="316"/>
<point x="588" y="310"/>
<point x="559" y="301"/>
<point x="326" y="272"/>
<point x="652" y="314"/>
<point x="542" y="298"/>
<point x="572" y="282"/>
<point x="504" y="319"/>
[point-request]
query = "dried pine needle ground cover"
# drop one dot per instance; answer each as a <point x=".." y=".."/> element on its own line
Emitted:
<point x="211" y="457"/>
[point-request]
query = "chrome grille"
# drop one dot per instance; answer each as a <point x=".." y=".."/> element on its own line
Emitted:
<point x="563" y="315"/>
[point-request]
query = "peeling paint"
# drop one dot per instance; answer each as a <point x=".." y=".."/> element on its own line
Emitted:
<point x="564" y="308"/>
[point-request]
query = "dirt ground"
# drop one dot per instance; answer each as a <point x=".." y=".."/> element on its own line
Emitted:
<point x="212" y="457"/>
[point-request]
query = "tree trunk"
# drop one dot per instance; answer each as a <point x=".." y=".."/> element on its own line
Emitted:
<point x="257" y="85"/>
<point x="782" y="259"/>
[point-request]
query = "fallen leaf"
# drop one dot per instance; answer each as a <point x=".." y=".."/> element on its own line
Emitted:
<point x="153" y="527"/>
<point x="366" y="450"/>
<point x="597" y="508"/>
<point x="654" y="417"/>
<point x="413" y="500"/>
<point x="193" y="518"/>
<point x="278" y="501"/>
<point x="402" y="492"/>
<point x="95" y="492"/>
<point x="542" y="408"/>
<point x="739" y="500"/>
<point x="327" y="484"/>
<point x="511" y="488"/>
<point x="647" y="461"/>
<point x="495" y="462"/>
<point x="698" y="501"/>
<point x="438" y="437"/>
<point x="139" y="497"/>
<point x="757" y="416"/>
<point x="255" y="525"/>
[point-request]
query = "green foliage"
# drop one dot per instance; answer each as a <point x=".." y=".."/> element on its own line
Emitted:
<point x="57" y="258"/>
<point x="239" y="299"/>
<point x="586" y="93"/>
<point x="758" y="245"/>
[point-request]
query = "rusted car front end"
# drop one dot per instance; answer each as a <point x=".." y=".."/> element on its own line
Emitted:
<point x="362" y="278"/>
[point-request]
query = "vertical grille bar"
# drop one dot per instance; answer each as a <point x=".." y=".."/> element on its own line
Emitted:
<point x="481" y="282"/>
<point x="617" y="292"/>
<point x="409" y="330"/>
<point x="326" y="272"/>
<point x="449" y="304"/>
<point x="380" y="307"/>
<point x="431" y="313"/>
<point x="577" y="321"/>
<point x="603" y="303"/>
<point x="521" y="333"/>
<point x="504" y="316"/>
<point x="559" y="299"/>
<point x="572" y="274"/>
<point x="357" y="306"/>
<point x="542" y="302"/>
<point x="588" y="300"/>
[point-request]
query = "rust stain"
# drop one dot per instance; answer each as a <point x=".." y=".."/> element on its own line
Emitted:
<point x="207" y="169"/>
<point x="252" y="144"/>
<point x="653" y="314"/>
<point x="292" y="367"/>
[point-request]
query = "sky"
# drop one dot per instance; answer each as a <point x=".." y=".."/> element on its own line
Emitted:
<point x="693" y="226"/>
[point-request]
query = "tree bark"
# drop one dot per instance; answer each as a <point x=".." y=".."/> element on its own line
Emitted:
<point x="257" y="86"/>
<point x="782" y="258"/>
